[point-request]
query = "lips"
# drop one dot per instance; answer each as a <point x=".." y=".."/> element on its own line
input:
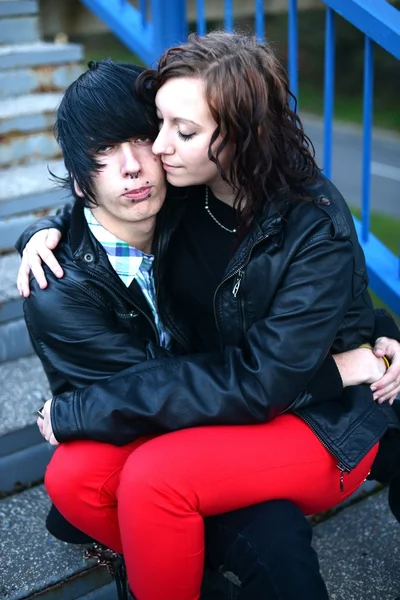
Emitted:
<point x="168" y="167"/>
<point x="138" y="194"/>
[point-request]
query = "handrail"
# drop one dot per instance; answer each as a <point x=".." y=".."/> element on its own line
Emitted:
<point x="146" y="38"/>
<point x="377" y="19"/>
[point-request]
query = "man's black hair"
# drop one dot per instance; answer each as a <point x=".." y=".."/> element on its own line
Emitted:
<point x="100" y="108"/>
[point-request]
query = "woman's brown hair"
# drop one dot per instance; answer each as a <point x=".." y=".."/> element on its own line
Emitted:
<point x="248" y="93"/>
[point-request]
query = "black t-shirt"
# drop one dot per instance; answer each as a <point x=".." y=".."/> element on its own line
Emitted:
<point x="198" y="256"/>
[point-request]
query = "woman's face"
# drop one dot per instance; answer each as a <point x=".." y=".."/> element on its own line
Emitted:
<point x="186" y="127"/>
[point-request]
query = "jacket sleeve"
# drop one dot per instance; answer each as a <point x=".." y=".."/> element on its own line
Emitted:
<point x="385" y="325"/>
<point x="59" y="221"/>
<point x="74" y="335"/>
<point x="249" y="385"/>
<point x="327" y="384"/>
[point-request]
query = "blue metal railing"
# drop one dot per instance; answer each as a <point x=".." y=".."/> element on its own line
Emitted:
<point x="148" y="37"/>
<point x="380" y="23"/>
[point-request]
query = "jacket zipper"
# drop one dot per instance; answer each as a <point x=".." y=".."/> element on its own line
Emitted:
<point x="130" y="315"/>
<point x="238" y="279"/>
<point x="237" y="282"/>
<point x="343" y="468"/>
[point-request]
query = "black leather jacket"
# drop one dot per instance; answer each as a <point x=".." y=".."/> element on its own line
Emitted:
<point x="277" y="323"/>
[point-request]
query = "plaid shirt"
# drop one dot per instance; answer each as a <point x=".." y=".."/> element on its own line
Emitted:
<point x="129" y="264"/>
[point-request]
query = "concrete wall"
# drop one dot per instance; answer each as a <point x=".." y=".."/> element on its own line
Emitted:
<point x="73" y="18"/>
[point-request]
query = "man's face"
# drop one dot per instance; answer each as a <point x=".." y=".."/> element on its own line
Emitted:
<point x="130" y="187"/>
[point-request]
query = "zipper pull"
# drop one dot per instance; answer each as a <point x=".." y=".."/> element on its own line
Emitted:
<point x="342" y="471"/>
<point x="237" y="283"/>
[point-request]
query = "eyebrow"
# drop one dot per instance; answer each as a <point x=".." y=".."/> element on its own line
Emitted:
<point x="180" y="120"/>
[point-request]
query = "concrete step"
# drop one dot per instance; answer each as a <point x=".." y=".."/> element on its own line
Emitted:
<point x="18" y="7"/>
<point x="19" y="30"/>
<point x="9" y="265"/>
<point x="14" y="338"/>
<point x="359" y="551"/>
<point x="39" y="53"/>
<point x="31" y="188"/>
<point x="31" y="112"/>
<point x="28" y="148"/>
<point x="27" y="193"/>
<point x="42" y="78"/>
<point x="36" y="565"/>
<point x="24" y="454"/>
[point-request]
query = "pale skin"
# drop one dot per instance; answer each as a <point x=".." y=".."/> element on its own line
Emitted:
<point x="186" y="126"/>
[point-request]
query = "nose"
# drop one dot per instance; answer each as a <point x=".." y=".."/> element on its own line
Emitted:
<point x="129" y="159"/>
<point x="161" y="144"/>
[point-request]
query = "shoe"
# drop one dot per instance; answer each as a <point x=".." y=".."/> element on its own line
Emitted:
<point x="62" y="529"/>
<point x="394" y="497"/>
<point x="386" y="465"/>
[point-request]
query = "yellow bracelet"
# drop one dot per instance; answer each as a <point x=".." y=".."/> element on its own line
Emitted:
<point x="384" y="358"/>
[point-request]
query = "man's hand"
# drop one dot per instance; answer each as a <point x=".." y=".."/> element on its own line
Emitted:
<point x="38" y="250"/>
<point x="388" y="387"/>
<point x="44" y="424"/>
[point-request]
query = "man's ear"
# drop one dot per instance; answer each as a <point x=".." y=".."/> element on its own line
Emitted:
<point x="77" y="189"/>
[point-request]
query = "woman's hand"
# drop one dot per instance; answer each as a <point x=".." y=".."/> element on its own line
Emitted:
<point x="359" y="366"/>
<point x="388" y="387"/>
<point x="38" y="250"/>
<point x="363" y="365"/>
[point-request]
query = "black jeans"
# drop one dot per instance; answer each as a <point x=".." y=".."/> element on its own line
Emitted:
<point x="262" y="552"/>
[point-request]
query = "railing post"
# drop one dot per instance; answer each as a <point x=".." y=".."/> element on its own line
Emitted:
<point x="201" y="25"/>
<point x="169" y="23"/>
<point x="293" y="48"/>
<point x="228" y="15"/>
<point x="329" y="89"/>
<point x="367" y="136"/>
<point x="259" y="20"/>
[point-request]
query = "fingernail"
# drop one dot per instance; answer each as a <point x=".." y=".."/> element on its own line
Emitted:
<point x="59" y="273"/>
<point x="373" y="389"/>
<point x="375" y="396"/>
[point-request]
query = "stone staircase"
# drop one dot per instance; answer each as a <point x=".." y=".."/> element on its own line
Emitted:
<point x="33" y="75"/>
<point x="361" y="564"/>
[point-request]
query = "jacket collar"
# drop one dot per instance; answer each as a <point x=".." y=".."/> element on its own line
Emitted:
<point x="83" y="244"/>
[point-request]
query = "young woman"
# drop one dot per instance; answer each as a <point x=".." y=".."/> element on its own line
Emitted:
<point x="265" y="265"/>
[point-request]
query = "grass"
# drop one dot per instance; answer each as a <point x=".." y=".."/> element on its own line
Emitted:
<point x="106" y="45"/>
<point x="347" y="109"/>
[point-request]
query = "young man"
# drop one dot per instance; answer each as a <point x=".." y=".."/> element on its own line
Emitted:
<point x="108" y="313"/>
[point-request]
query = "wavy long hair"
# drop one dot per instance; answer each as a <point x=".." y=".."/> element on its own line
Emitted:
<point x="248" y="94"/>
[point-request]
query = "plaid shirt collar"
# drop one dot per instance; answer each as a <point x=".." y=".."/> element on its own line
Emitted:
<point x="126" y="260"/>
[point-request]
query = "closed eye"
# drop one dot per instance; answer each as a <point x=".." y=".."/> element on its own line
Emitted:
<point x="185" y="137"/>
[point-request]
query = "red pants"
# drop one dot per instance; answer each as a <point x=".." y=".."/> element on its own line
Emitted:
<point x="147" y="500"/>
